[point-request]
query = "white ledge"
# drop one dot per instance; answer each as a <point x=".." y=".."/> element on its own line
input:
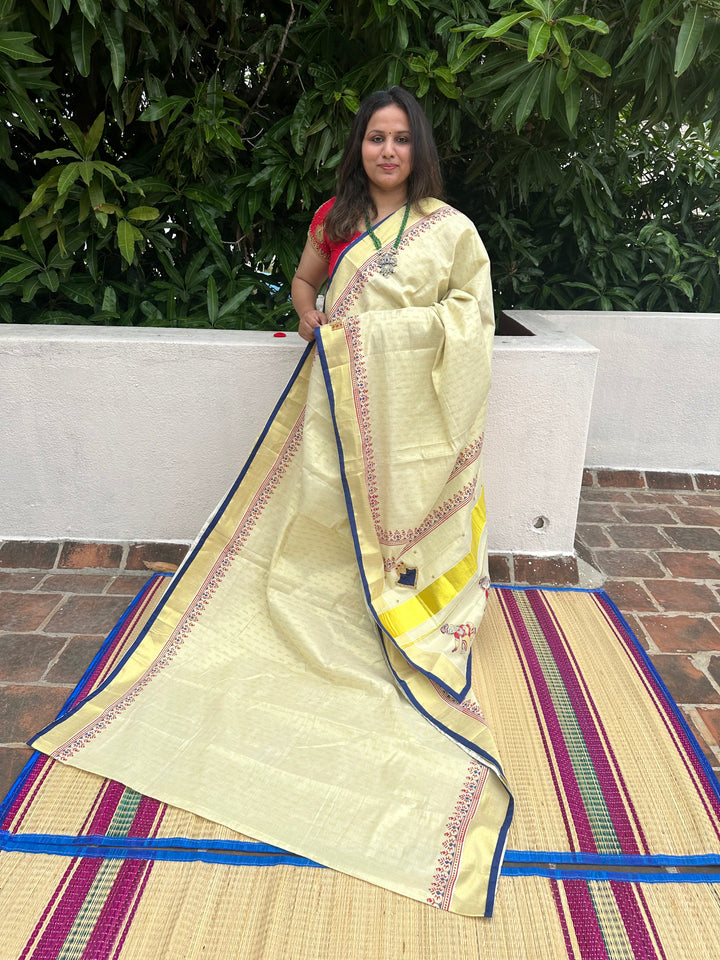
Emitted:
<point x="125" y="433"/>
<point x="657" y="396"/>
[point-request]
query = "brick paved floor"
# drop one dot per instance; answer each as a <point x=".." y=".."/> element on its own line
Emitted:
<point x="658" y="550"/>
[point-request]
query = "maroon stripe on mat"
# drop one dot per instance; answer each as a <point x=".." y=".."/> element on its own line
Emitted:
<point x="65" y="905"/>
<point x="639" y="926"/>
<point x="120" y="904"/>
<point x="146" y="818"/>
<point x="567" y="793"/>
<point x="108" y="798"/>
<point x="137" y="897"/>
<point x="625" y="820"/>
<point x="583" y="917"/>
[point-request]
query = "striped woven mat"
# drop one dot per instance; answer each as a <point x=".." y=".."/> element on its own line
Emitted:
<point x="614" y="851"/>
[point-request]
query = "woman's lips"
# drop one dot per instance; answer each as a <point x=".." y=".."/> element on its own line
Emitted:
<point x="388" y="166"/>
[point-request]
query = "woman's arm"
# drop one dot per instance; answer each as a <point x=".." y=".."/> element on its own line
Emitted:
<point x="311" y="273"/>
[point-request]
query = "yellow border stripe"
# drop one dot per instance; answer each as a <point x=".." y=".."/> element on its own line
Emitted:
<point x="430" y="601"/>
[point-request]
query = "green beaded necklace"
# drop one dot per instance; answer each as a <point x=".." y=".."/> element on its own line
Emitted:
<point x="387" y="261"/>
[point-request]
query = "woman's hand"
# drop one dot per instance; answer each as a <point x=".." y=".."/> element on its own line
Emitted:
<point x="309" y="321"/>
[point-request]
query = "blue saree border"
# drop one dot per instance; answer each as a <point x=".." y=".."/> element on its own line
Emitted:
<point x="502" y="837"/>
<point x="210" y="526"/>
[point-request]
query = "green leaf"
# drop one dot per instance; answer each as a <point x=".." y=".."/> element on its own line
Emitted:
<point x="50" y="279"/>
<point x="90" y="9"/>
<point x="26" y="110"/>
<point x="645" y="29"/>
<point x="87" y="169"/>
<point x="94" y="135"/>
<point x="74" y="134"/>
<point x="206" y="195"/>
<point x="82" y="38"/>
<point x="109" y="301"/>
<point x="207" y="222"/>
<point x="541" y="6"/>
<point x="126" y="241"/>
<point x="161" y="108"/>
<point x="18" y="46"/>
<point x="33" y="243"/>
<point x="548" y="89"/>
<point x="592" y="63"/>
<point x="561" y="39"/>
<point x="12" y="253"/>
<point x="572" y="103"/>
<point x="96" y="194"/>
<point x="538" y="38"/>
<point x="278" y="182"/>
<point x="506" y="23"/>
<point x="566" y="77"/>
<point x="111" y="208"/>
<point x="212" y="299"/>
<point x="18" y="273"/>
<point x="116" y="49"/>
<point x="231" y="305"/>
<point x="30" y="288"/>
<point x="689" y="37"/>
<point x="505" y="103"/>
<point x="229" y="134"/>
<point x="495" y="80"/>
<point x="530" y="93"/>
<point x="56" y="154"/>
<point x="109" y="171"/>
<point x="69" y="175"/>
<point x="448" y="90"/>
<point x="55" y="9"/>
<point x="580" y="20"/>
<point x="143" y="213"/>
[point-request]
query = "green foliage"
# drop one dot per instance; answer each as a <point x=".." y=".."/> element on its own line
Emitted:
<point x="162" y="158"/>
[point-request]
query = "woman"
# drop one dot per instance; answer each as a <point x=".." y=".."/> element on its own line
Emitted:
<point x="385" y="168"/>
<point x="283" y="687"/>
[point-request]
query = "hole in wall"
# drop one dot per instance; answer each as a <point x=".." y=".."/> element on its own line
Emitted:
<point x="541" y="523"/>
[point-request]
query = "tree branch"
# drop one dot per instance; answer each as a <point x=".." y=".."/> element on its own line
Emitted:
<point x="278" y="55"/>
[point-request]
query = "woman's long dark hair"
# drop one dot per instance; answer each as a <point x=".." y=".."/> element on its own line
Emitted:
<point x="353" y="194"/>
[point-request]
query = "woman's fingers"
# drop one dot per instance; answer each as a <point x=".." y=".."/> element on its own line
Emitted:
<point x="309" y="321"/>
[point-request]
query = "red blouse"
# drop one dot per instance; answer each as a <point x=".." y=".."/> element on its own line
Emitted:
<point x="327" y="249"/>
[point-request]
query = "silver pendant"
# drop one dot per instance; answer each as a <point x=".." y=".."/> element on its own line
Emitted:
<point x="387" y="261"/>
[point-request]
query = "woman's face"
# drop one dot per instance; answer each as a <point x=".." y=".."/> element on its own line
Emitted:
<point x="387" y="149"/>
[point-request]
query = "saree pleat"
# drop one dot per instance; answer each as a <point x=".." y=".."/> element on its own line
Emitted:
<point x="305" y="679"/>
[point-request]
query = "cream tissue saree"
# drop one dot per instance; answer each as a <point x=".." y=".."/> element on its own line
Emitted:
<point x="306" y="678"/>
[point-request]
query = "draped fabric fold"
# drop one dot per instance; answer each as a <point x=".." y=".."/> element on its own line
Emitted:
<point x="306" y="679"/>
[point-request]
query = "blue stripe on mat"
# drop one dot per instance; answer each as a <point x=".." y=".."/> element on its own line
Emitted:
<point x="516" y="870"/>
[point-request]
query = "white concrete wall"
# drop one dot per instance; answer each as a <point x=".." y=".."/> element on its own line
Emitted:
<point x="657" y="394"/>
<point x="538" y="418"/>
<point x="117" y="433"/>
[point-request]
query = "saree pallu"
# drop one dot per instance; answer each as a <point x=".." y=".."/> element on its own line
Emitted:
<point x="306" y="679"/>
